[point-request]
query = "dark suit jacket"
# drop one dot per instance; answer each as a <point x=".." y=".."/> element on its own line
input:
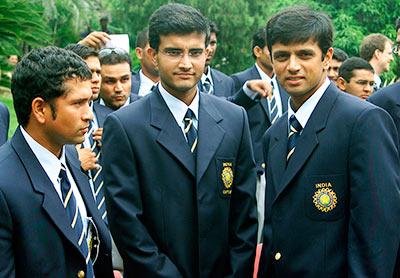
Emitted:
<point x="389" y="99"/>
<point x="101" y="112"/>
<point x="4" y="123"/>
<point x="347" y="148"/>
<point x="135" y="83"/>
<point x="258" y="114"/>
<point x="172" y="216"/>
<point x="36" y="239"/>
<point x="223" y="84"/>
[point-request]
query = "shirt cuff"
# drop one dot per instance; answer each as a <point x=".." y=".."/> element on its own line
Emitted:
<point x="250" y="93"/>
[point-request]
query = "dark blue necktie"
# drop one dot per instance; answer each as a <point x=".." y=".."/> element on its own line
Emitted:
<point x="294" y="133"/>
<point x="190" y="130"/>
<point x="75" y="218"/>
<point x="97" y="176"/>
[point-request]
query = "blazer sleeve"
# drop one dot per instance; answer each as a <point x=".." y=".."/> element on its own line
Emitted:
<point x="140" y="253"/>
<point x="7" y="267"/>
<point x="243" y="212"/>
<point x="373" y="234"/>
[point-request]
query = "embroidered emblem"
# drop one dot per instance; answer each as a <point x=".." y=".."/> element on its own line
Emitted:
<point x="325" y="199"/>
<point x="227" y="178"/>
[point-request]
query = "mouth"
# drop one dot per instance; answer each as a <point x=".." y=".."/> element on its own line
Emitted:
<point x="184" y="75"/>
<point x="95" y="90"/>
<point x="294" y="80"/>
<point x="84" y="130"/>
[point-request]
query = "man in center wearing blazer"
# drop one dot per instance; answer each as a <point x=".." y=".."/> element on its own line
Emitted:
<point x="261" y="111"/>
<point x="332" y="181"/>
<point x="179" y="170"/>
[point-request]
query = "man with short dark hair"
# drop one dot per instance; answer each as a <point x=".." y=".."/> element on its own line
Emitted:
<point x="356" y="77"/>
<point x="115" y="90"/>
<point x="332" y="195"/>
<point x="49" y="224"/>
<point x="339" y="56"/>
<point x="147" y="77"/>
<point x="179" y="167"/>
<point x="376" y="49"/>
<point x="213" y="81"/>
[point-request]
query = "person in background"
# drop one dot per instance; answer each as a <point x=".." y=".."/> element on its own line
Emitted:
<point x="356" y="77"/>
<point x="339" y="56"/>
<point x="4" y="123"/>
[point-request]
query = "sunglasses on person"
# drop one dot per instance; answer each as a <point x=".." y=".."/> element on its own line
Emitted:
<point x="108" y="51"/>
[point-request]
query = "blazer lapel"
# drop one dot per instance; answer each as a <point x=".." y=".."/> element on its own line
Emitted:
<point x="210" y="134"/>
<point x="308" y="140"/>
<point x="41" y="183"/>
<point x="170" y="136"/>
<point x="277" y="153"/>
<point x="284" y="97"/>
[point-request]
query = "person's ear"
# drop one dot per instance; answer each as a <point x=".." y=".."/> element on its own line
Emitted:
<point x="257" y="51"/>
<point x="327" y="59"/>
<point x="40" y="109"/>
<point x="153" y="55"/>
<point x="139" y="53"/>
<point x="341" y="83"/>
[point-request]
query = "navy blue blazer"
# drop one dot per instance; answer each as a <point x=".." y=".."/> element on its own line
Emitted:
<point x="172" y="215"/>
<point x="101" y="112"/>
<point x="223" y="85"/>
<point x="135" y="83"/>
<point x="334" y="209"/>
<point x="257" y="112"/>
<point x="388" y="98"/>
<point x="4" y="123"/>
<point x="36" y="239"/>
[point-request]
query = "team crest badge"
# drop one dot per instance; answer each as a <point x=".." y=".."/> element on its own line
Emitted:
<point x="227" y="178"/>
<point x="325" y="199"/>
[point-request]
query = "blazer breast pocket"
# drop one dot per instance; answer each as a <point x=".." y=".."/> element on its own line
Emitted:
<point x="325" y="197"/>
<point x="225" y="176"/>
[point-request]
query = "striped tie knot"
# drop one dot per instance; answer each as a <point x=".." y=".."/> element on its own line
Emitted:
<point x="207" y="86"/>
<point x="190" y="130"/>
<point x="294" y="132"/>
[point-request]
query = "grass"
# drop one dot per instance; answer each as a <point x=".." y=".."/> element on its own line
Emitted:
<point x="7" y="100"/>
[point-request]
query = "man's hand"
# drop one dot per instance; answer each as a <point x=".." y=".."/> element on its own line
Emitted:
<point x="97" y="136"/>
<point x="95" y="39"/>
<point x="262" y="87"/>
<point x="87" y="158"/>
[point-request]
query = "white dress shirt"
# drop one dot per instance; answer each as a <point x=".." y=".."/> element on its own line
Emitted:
<point x="145" y="84"/>
<point x="52" y="166"/>
<point x="178" y="108"/>
<point x="305" y="111"/>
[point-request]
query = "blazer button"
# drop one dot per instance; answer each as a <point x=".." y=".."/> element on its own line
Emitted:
<point x="263" y="165"/>
<point x="278" y="256"/>
<point x="81" y="274"/>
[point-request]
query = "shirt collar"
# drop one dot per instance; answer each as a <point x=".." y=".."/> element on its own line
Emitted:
<point x="208" y="75"/>
<point x="177" y="107"/>
<point x="49" y="162"/>
<point x="305" y="111"/>
<point x="263" y="75"/>
<point x="144" y="79"/>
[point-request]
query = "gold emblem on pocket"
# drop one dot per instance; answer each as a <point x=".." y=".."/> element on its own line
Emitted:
<point x="227" y="177"/>
<point x="325" y="199"/>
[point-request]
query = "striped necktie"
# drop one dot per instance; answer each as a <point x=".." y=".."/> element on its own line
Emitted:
<point x="273" y="106"/>
<point x="294" y="133"/>
<point x="74" y="216"/>
<point x="207" y="86"/>
<point x="190" y="130"/>
<point x="97" y="177"/>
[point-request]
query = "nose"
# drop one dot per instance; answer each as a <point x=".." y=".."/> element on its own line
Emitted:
<point x="368" y="89"/>
<point x="293" y="64"/>
<point x="185" y="61"/>
<point x="118" y="87"/>
<point x="88" y="115"/>
<point x="95" y="77"/>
